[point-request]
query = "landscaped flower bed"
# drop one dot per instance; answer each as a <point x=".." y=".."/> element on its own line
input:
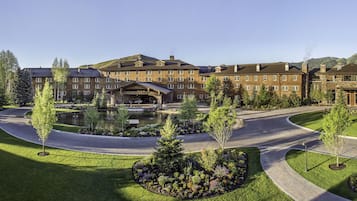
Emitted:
<point x="353" y="182"/>
<point x="193" y="179"/>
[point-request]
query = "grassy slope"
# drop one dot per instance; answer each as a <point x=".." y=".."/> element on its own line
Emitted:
<point x="320" y="174"/>
<point x="313" y="120"/>
<point x="67" y="175"/>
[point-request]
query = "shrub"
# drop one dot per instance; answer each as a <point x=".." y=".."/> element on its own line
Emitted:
<point x="208" y="159"/>
<point x="353" y="182"/>
<point x="162" y="180"/>
<point x="196" y="179"/>
<point x="220" y="171"/>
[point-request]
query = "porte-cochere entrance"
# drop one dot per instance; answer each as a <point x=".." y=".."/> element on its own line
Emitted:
<point x="140" y="93"/>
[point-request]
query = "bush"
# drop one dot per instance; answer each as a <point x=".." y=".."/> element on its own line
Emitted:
<point x="208" y="159"/>
<point x="220" y="171"/>
<point x="196" y="180"/>
<point x="353" y="182"/>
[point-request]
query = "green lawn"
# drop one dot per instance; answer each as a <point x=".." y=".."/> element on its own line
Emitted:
<point x="313" y="120"/>
<point x="66" y="127"/>
<point x="320" y="174"/>
<point x="68" y="175"/>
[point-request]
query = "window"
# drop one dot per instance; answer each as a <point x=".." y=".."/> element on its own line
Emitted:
<point x="86" y="93"/>
<point x="294" y="77"/>
<point x="236" y="78"/>
<point x="255" y="77"/>
<point x="75" y="79"/>
<point x="247" y="78"/>
<point x="295" y="88"/>
<point x="107" y="79"/>
<point x="97" y="79"/>
<point x="275" y="88"/>
<point x="191" y="72"/>
<point x="38" y="79"/>
<point x="126" y="72"/>
<point x="284" y="88"/>
<point x="170" y="86"/>
<point x="171" y="79"/>
<point x="347" y="78"/>
<point x="179" y="96"/>
<point x="265" y="77"/>
<point x="275" y="77"/>
<point x="237" y="85"/>
<point x="190" y="79"/>
<point x="117" y="80"/>
<point x="148" y="79"/>
<point x="108" y="86"/>
<point x="257" y="87"/>
<point x="148" y="72"/>
<point x="180" y="79"/>
<point x="247" y="87"/>
<point x="159" y="72"/>
<point x="225" y="78"/>
<point x="87" y="79"/>
<point x="38" y="86"/>
<point x="283" y="78"/>
<point x="86" y="86"/>
<point x="180" y="72"/>
<point x="74" y="86"/>
<point x="203" y="86"/>
<point x="97" y="86"/>
<point x="171" y="72"/>
<point x="191" y="86"/>
<point x="180" y="86"/>
<point x="159" y="79"/>
<point x="50" y="79"/>
<point x="127" y="79"/>
<point x="200" y="96"/>
<point x="203" y="78"/>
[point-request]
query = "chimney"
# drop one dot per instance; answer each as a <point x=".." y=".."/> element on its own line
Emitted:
<point x="305" y="67"/>
<point x="218" y="69"/>
<point x="323" y="68"/>
<point x="236" y="68"/>
<point x="257" y="68"/>
<point x="286" y="66"/>
<point x="172" y="57"/>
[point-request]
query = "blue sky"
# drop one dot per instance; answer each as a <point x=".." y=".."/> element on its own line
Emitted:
<point x="201" y="32"/>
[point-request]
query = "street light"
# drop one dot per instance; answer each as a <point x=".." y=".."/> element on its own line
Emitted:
<point x="305" y="147"/>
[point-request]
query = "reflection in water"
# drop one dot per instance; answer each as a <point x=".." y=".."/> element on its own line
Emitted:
<point x="77" y="118"/>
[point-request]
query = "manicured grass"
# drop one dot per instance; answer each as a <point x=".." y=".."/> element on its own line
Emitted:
<point x="320" y="174"/>
<point x="66" y="127"/>
<point x="313" y="120"/>
<point x="10" y="106"/>
<point x="68" y="175"/>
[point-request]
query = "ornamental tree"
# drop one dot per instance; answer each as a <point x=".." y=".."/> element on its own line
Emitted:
<point x="188" y="108"/>
<point x="122" y="117"/>
<point x="91" y="118"/>
<point x="334" y="125"/>
<point x="43" y="114"/>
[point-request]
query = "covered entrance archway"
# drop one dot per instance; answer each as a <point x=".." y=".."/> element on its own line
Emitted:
<point x="140" y="93"/>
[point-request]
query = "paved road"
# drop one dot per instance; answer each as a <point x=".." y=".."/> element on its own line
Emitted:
<point x="267" y="130"/>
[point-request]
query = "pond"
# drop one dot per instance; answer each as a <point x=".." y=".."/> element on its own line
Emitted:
<point x="108" y="117"/>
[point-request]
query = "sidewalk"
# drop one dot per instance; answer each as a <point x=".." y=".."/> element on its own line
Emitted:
<point x="274" y="164"/>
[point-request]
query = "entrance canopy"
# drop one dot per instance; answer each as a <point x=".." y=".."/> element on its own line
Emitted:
<point x="128" y="92"/>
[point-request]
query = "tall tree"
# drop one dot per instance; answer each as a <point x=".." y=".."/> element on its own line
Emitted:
<point x="44" y="114"/>
<point x="60" y="71"/>
<point x="91" y="118"/>
<point x="334" y="125"/>
<point x="8" y="68"/>
<point x="122" y="117"/>
<point x="23" y="88"/>
<point x="213" y="85"/>
<point x="228" y="88"/>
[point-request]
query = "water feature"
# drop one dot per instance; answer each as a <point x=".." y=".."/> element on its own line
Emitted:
<point x="77" y="118"/>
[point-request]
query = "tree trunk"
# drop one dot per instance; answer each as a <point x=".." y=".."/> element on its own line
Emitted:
<point x="337" y="160"/>
<point x="43" y="147"/>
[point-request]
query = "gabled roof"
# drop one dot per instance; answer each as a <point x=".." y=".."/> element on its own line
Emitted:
<point x="143" y="84"/>
<point x="149" y="63"/>
<point x="347" y="69"/>
<point x="267" y="68"/>
<point x="73" y="72"/>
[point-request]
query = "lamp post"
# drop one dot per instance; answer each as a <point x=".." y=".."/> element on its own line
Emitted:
<point x="305" y="148"/>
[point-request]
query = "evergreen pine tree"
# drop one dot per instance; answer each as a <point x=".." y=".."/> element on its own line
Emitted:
<point x="168" y="155"/>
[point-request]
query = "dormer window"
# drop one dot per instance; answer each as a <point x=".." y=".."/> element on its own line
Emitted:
<point x="218" y="69"/>
<point x="160" y="63"/>
<point x="139" y="63"/>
